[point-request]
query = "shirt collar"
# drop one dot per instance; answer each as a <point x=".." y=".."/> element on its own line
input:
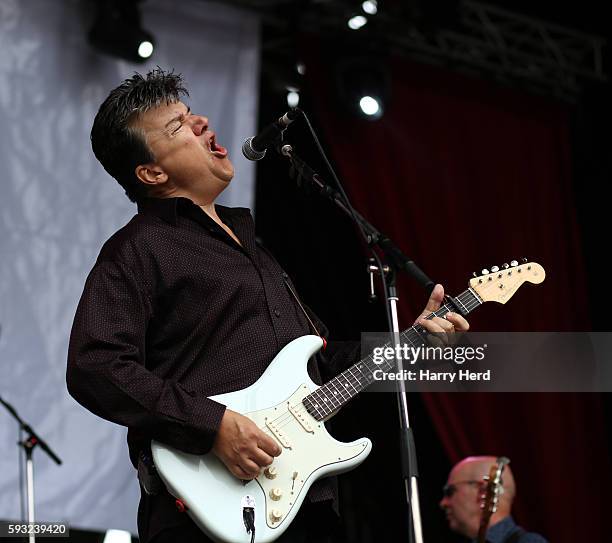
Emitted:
<point x="164" y="208"/>
<point x="168" y="209"/>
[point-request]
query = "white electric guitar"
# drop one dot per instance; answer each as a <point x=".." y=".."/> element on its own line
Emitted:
<point x="288" y="406"/>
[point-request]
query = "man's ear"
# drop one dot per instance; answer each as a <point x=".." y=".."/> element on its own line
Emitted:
<point x="151" y="174"/>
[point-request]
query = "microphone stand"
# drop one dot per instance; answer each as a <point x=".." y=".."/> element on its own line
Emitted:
<point x="32" y="440"/>
<point x="396" y="257"/>
<point x="396" y="261"/>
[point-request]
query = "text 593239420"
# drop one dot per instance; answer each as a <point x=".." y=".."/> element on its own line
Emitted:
<point x="39" y="529"/>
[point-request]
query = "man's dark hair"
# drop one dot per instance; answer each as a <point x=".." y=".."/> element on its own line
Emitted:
<point x="116" y="142"/>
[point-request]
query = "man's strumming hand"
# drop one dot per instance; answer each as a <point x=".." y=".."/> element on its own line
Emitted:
<point x="243" y="447"/>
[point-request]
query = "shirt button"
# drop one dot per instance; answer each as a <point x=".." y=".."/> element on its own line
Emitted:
<point x="277" y="313"/>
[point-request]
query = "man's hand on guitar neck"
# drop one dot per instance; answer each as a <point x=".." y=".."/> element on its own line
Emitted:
<point x="243" y="447"/>
<point x="443" y="328"/>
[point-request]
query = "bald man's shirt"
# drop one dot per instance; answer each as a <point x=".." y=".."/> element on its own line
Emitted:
<point x="508" y="531"/>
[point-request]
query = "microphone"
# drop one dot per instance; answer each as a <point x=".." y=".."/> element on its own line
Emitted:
<point x="254" y="148"/>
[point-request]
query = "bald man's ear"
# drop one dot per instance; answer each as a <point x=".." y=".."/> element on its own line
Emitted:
<point x="151" y="174"/>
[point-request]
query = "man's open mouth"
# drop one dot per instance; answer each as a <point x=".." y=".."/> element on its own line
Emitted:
<point x="216" y="149"/>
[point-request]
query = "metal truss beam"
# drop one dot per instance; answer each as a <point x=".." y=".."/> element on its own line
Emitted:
<point x="503" y="44"/>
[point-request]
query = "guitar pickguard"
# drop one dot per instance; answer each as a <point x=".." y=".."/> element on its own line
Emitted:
<point x="307" y="448"/>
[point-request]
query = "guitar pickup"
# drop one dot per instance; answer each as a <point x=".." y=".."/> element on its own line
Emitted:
<point x="300" y="415"/>
<point x="278" y="434"/>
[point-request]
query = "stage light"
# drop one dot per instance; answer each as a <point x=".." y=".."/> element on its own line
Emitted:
<point x="145" y="49"/>
<point x="293" y="97"/>
<point x="363" y="86"/>
<point x="117" y="31"/>
<point x="370" y="7"/>
<point x="117" y="536"/>
<point x="356" y="22"/>
<point x="370" y="106"/>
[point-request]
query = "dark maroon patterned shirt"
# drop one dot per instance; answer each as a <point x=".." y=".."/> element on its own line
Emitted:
<point x="175" y="311"/>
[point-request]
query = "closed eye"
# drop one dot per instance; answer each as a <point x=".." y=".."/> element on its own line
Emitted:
<point x="180" y="119"/>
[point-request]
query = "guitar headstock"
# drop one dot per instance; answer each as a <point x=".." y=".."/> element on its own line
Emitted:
<point x="500" y="284"/>
<point x="492" y="491"/>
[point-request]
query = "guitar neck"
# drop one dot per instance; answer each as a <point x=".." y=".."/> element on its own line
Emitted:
<point x="482" y="528"/>
<point x="491" y="496"/>
<point x="324" y="402"/>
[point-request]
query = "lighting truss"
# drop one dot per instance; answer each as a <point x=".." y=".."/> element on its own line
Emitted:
<point x="511" y="46"/>
<point x="508" y="46"/>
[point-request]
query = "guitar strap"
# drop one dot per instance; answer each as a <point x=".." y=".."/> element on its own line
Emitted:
<point x="295" y="296"/>
<point x="285" y="278"/>
<point x="149" y="479"/>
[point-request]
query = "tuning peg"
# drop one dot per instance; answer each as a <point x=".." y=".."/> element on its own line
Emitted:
<point x="484" y="271"/>
<point x="505" y="266"/>
<point x="494" y="269"/>
<point x="524" y="259"/>
<point x="514" y="263"/>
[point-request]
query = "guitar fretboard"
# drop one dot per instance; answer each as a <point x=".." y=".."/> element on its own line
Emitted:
<point x="324" y="402"/>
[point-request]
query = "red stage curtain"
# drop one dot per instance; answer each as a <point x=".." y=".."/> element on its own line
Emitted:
<point x="464" y="174"/>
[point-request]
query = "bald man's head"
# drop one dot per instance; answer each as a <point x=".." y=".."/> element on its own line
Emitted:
<point x="464" y="492"/>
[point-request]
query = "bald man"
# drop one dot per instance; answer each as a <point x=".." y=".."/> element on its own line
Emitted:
<point x="462" y="497"/>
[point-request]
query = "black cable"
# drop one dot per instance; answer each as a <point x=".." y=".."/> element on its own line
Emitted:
<point x="368" y="242"/>
<point x="248" y="517"/>
<point x="347" y="202"/>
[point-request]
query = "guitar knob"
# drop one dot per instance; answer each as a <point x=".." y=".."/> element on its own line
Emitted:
<point x="275" y="515"/>
<point x="505" y="266"/>
<point x="484" y="271"/>
<point x="276" y="493"/>
<point x="514" y="263"/>
<point x="494" y="269"/>
<point x="270" y="472"/>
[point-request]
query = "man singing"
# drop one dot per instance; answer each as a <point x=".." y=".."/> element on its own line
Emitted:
<point x="183" y="304"/>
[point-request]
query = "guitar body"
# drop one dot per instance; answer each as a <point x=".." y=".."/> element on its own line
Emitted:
<point x="215" y="498"/>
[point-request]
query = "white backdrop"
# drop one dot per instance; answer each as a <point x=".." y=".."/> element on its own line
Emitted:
<point x="57" y="206"/>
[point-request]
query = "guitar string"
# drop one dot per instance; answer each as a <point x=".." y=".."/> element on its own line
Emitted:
<point x="300" y="408"/>
<point x="470" y="304"/>
<point x="287" y="417"/>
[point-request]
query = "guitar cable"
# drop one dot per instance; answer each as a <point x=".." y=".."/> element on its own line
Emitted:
<point x="248" y="516"/>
